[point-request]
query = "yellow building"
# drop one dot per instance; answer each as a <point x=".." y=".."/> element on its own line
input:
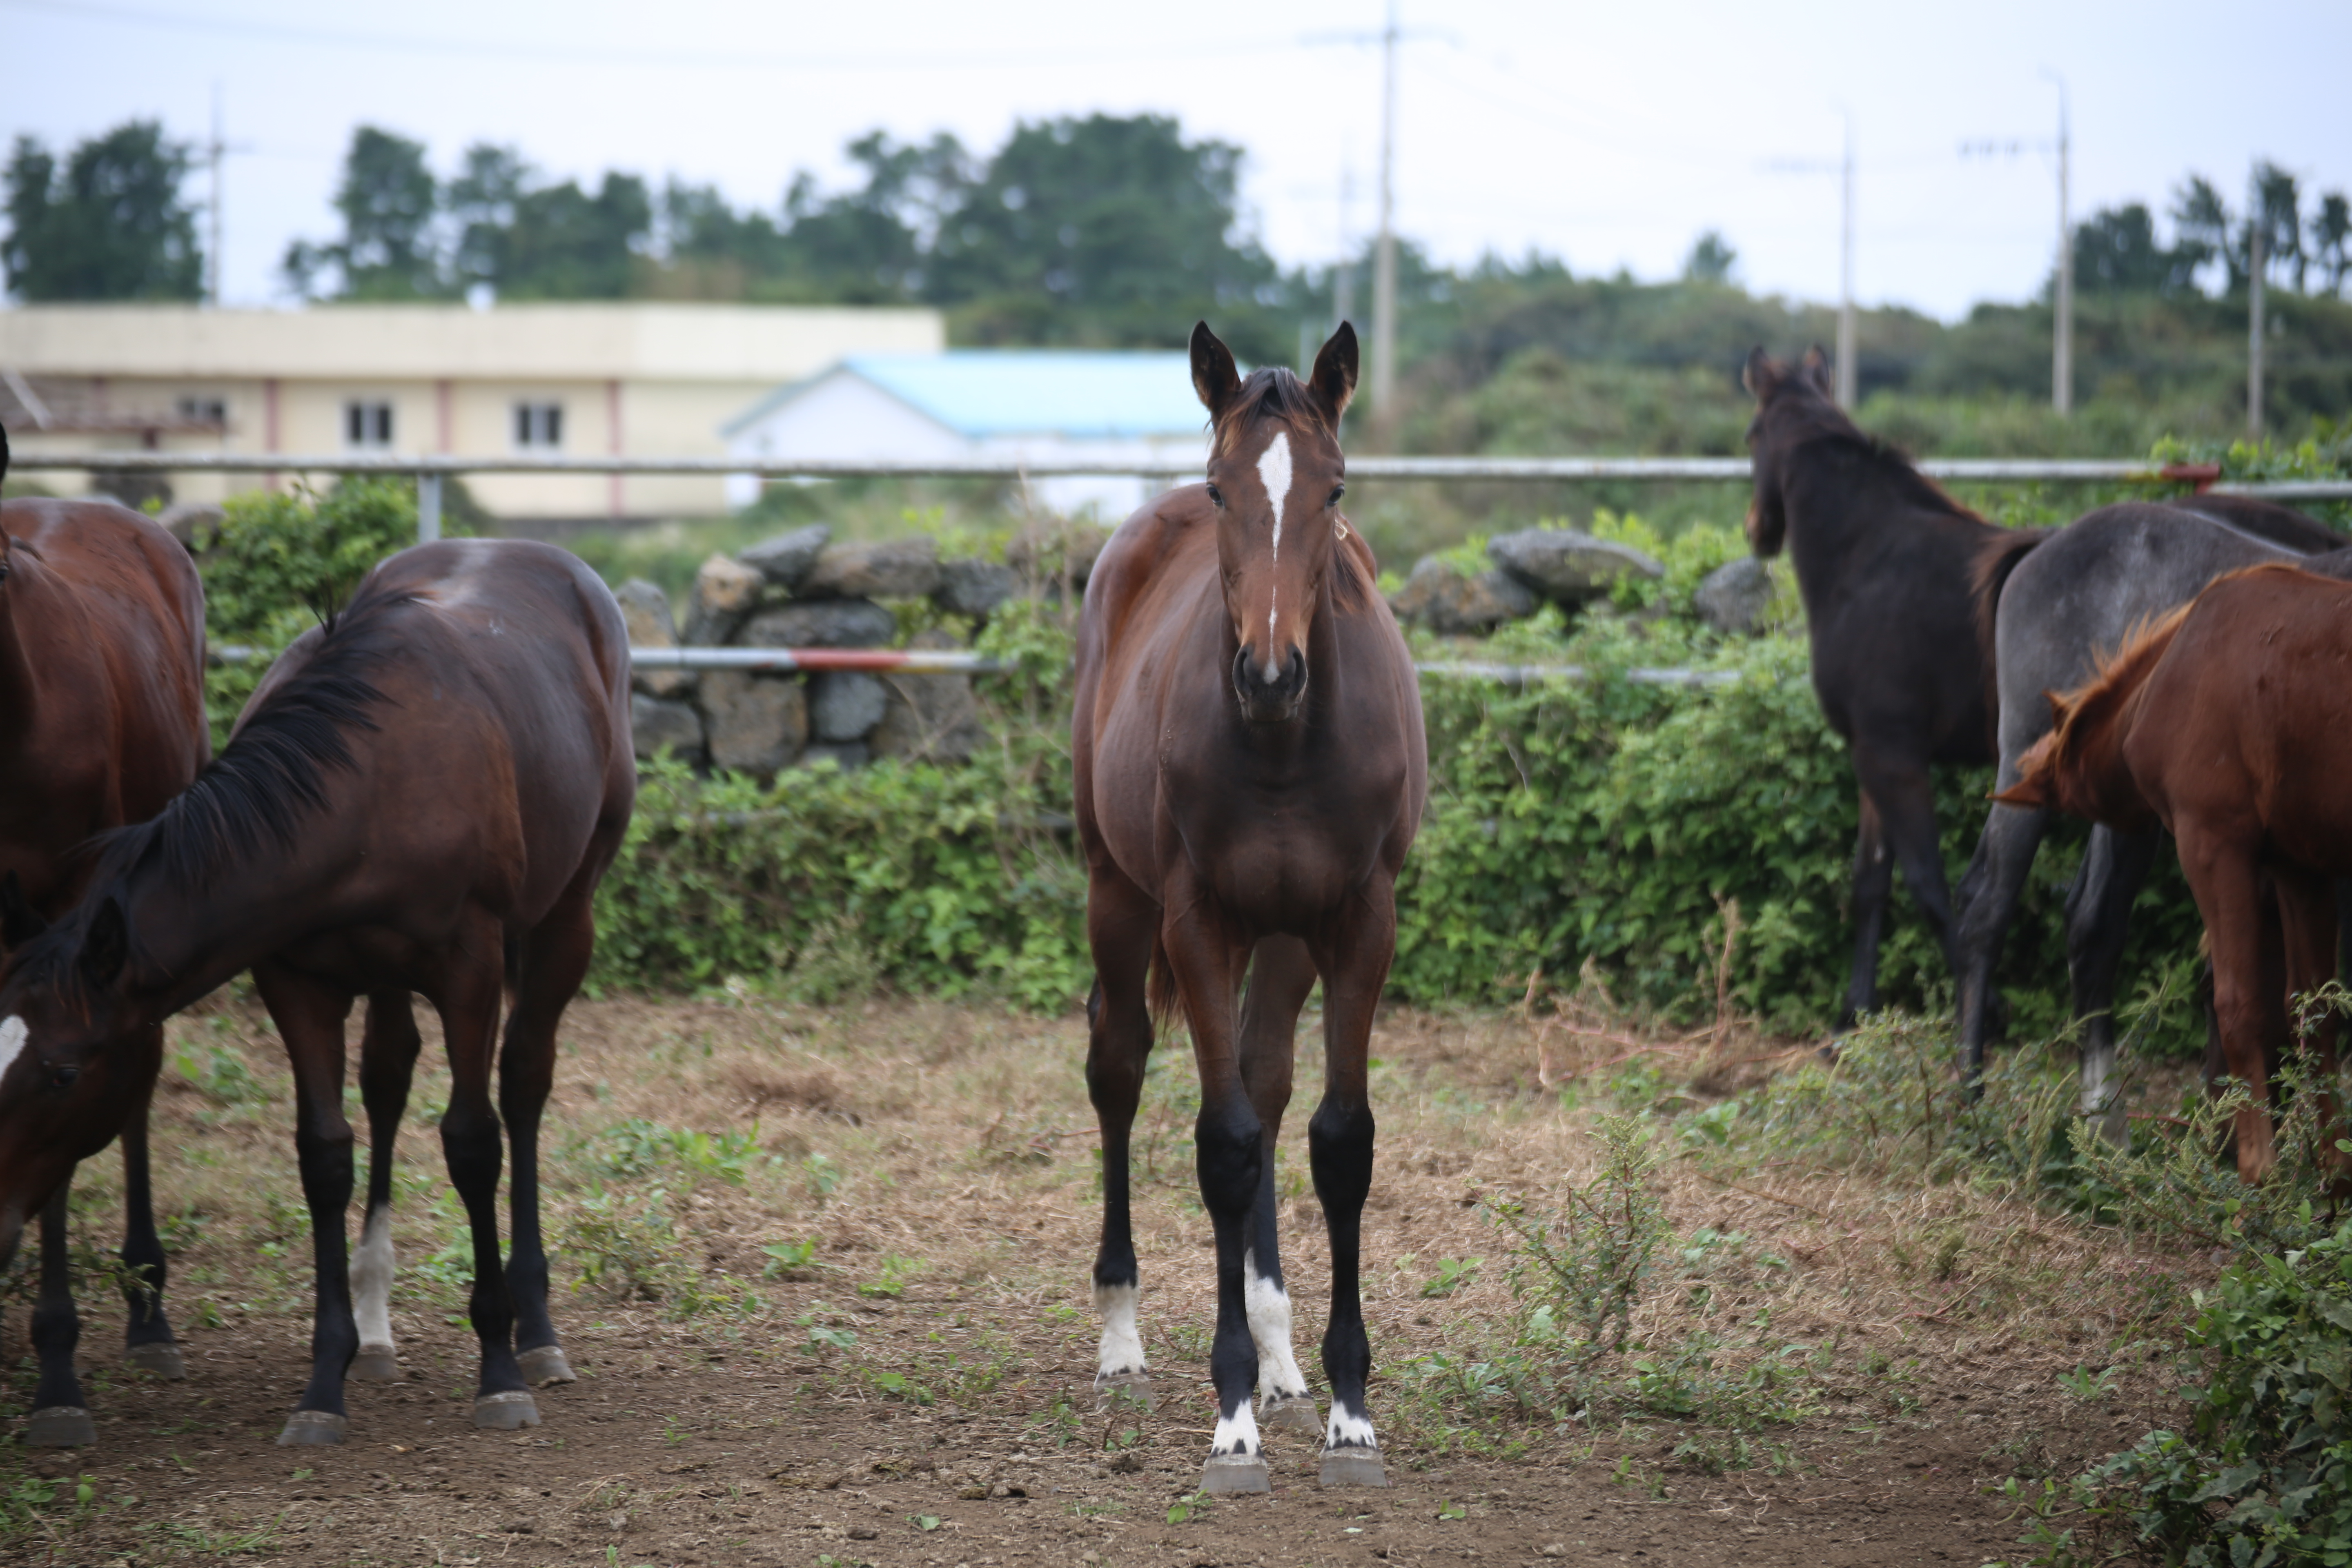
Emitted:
<point x="651" y="379"/>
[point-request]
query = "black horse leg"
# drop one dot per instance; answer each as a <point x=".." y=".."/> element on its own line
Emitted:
<point x="1995" y="881"/>
<point x="553" y="960"/>
<point x="388" y="1049"/>
<point x="147" y="1342"/>
<point x="309" y="1015"/>
<point x="1228" y="1144"/>
<point x="1355" y="965"/>
<point x="1281" y="975"/>
<point x="472" y="1145"/>
<point x="2098" y="912"/>
<point x="1122" y="924"/>
<point x="59" y="1419"/>
<point x="1873" y="881"/>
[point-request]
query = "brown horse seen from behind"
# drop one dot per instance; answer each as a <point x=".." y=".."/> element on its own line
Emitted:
<point x="101" y="723"/>
<point x="1250" y="769"/>
<point x="2229" y="722"/>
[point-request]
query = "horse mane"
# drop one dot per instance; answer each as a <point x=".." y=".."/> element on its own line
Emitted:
<point x="1274" y="391"/>
<point x="1814" y="418"/>
<point x="272" y="774"/>
<point x="2117" y="674"/>
<point x="1996" y="559"/>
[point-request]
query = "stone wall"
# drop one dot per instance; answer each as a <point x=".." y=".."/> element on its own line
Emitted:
<point x="801" y="590"/>
<point x="1548" y="565"/>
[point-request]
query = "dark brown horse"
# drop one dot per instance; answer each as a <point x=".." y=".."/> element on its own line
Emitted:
<point x="1250" y="770"/>
<point x="421" y="797"/>
<point x="2229" y="722"/>
<point x="102" y="721"/>
<point x="1888" y="565"/>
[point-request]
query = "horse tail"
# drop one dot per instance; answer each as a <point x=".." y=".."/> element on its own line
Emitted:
<point x="1159" y="993"/>
<point x="1996" y="559"/>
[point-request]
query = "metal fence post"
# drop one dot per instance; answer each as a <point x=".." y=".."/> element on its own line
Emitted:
<point x="428" y="508"/>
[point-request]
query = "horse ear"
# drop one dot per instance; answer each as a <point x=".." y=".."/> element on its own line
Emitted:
<point x="3" y="451"/>
<point x="1759" y="375"/>
<point x="105" y="946"/>
<point x="1817" y="369"/>
<point x="1335" y="372"/>
<point x="1213" y="376"/>
<point x="19" y="922"/>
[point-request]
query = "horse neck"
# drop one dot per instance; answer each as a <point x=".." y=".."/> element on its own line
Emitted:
<point x="19" y="685"/>
<point x="1834" y="503"/>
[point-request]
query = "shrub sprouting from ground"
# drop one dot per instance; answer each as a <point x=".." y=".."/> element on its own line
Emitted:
<point x="1587" y="1261"/>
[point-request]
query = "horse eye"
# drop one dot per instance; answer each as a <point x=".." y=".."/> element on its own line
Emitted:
<point x="1216" y="497"/>
<point x="1337" y="491"/>
<point x="64" y="1077"/>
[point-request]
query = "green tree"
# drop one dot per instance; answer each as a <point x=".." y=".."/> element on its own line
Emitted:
<point x="1710" y="260"/>
<point x="2115" y="252"/>
<point x="565" y="244"/>
<point x="113" y="227"/>
<point x="2200" y="234"/>
<point x="1104" y="230"/>
<point x="387" y="200"/>
<point x="869" y="245"/>
<point x="2331" y="239"/>
<point x="2278" y="213"/>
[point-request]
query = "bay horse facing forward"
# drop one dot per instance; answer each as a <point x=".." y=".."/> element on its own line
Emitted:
<point x="422" y="796"/>
<point x="2229" y="722"/>
<point x="1250" y="769"/>
<point x="101" y="723"/>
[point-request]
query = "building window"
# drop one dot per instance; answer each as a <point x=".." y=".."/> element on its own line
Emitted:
<point x="204" y="411"/>
<point x="539" y="425"/>
<point x="367" y="424"/>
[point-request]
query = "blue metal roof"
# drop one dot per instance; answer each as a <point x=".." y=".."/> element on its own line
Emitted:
<point x="1026" y="392"/>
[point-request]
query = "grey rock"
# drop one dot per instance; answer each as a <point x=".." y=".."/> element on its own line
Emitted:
<point x="724" y="593"/>
<point x="928" y="717"/>
<point x="786" y="560"/>
<point x="1567" y="568"/>
<point x="831" y="623"/>
<point x="195" y="523"/>
<point x="886" y="569"/>
<point x="657" y="724"/>
<point x="758" y="722"/>
<point x="1454" y="603"/>
<point x="845" y="756"/>
<point x="1734" y="596"/>
<point x="843" y="704"/>
<point x="974" y="587"/>
<point x="645" y="609"/>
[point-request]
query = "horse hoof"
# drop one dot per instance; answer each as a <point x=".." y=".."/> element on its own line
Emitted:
<point x="313" y="1429"/>
<point x="60" y="1426"/>
<point x="1353" y="1467"/>
<point x="376" y="1363"/>
<point x="1113" y="1390"/>
<point x="1235" y="1473"/>
<point x="506" y="1412"/>
<point x="160" y="1357"/>
<point x="545" y="1365"/>
<point x="1293" y="1413"/>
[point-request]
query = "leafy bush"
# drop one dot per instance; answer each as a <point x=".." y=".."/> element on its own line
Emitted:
<point x="1589" y="1260"/>
<point x="2263" y="1475"/>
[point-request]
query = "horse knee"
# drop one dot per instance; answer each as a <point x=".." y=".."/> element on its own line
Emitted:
<point x="1339" y="1148"/>
<point x="1231" y="1156"/>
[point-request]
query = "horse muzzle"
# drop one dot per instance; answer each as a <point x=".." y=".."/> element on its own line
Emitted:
<point x="1269" y="701"/>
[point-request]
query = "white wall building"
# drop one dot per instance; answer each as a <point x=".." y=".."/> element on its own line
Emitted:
<point x="1026" y="405"/>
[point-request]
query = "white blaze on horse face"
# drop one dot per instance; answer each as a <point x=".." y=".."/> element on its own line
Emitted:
<point x="1273" y="473"/>
<point x="1236" y="1434"/>
<point x="1268" y="1305"/>
<point x="1121" y="1352"/>
<point x="12" y="1042"/>
<point x="1348" y="1429"/>
<point x="372" y="1281"/>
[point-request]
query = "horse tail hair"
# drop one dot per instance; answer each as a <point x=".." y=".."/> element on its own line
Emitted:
<point x="1996" y="559"/>
<point x="1159" y="993"/>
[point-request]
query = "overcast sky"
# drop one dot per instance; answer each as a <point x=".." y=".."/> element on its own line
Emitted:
<point x="1610" y="136"/>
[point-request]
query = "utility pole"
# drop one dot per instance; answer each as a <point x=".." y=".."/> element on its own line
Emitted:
<point x="1845" y="347"/>
<point x="1343" y="278"/>
<point x="2256" y="221"/>
<point x="1385" y="254"/>
<point x="2062" y="352"/>
<point x="216" y="152"/>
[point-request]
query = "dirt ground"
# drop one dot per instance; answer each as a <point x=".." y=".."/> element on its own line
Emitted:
<point x="849" y="1326"/>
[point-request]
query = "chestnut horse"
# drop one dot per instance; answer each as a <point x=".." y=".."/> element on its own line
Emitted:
<point x="2229" y="722"/>
<point x="1250" y="769"/>
<point x="102" y="721"/>
<point x="422" y="796"/>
